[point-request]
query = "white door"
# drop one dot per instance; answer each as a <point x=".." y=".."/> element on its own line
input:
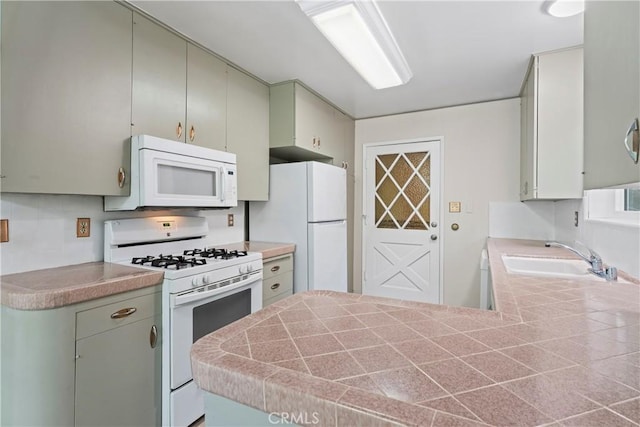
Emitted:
<point x="401" y="225"/>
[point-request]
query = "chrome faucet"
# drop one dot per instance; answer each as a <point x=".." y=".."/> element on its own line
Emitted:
<point x="594" y="260"/>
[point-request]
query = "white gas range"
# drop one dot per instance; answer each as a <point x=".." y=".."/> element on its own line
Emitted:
<point x="204" y="289"/>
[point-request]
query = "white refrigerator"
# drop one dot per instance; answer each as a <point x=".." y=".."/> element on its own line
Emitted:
<point x="307" y="206"/>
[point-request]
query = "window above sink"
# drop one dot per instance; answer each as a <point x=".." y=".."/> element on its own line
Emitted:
<point x="619" y="205"/>
<point x="631" y="199"/>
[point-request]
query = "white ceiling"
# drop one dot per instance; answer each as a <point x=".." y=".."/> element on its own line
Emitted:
<point x="460" y="52"/>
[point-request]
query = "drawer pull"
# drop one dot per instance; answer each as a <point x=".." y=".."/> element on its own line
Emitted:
<point x="275" y="268"/>
<point x="123" y="313"/>
<point x="275" y="286"/>
<point x="153" y="336"/>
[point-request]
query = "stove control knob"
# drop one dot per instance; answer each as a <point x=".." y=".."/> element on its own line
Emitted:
<point x="206" y="280"/>
<point x="195" y="282"/>
<point x="249" y="268"/>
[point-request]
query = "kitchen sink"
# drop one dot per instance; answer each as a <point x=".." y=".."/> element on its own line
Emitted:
<point x="549" y="267"/>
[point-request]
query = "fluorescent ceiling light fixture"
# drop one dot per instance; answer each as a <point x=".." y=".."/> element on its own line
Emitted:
<point x="359" y="32"/>
<point x="564" y="8"/>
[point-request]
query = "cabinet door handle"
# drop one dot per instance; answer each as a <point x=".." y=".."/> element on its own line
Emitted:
<point x="153" y="336"/>
<point x="318" y="142"/>
<point x="192" y="133"/>
<point x="314" y="143"/>
<point x="275" y="286"/>
<point x="122" y="177"/>
<point x="123" y="313"/>
<point x="179" y="130"/>
<point x="632" y="141"/>
<point x="275" y="268"/>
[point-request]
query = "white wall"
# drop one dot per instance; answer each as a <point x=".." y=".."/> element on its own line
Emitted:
<point x="516" y="220"/>
<point x="42" y="229"/>
<point x="481" y="152"/>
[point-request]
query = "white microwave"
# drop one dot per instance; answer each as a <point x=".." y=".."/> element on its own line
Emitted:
<point x="170" y="174"/>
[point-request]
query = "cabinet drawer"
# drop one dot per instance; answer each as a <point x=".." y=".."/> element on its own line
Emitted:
<point x="121" y="313"/>
<point x="274" y="266"/>
<point x="280" y="284"/>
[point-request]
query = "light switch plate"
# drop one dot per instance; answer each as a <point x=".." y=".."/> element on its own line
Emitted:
<point x="454" y="207"/>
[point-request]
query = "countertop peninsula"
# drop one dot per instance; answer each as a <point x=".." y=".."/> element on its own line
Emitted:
<point x="57" y="287"/>
<point x="556" y="350"/>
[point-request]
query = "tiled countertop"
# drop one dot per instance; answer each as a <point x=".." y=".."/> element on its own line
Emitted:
<point x="563" y="352"/>
<point x="57" y="287"/>
<point x="268" y="249"/>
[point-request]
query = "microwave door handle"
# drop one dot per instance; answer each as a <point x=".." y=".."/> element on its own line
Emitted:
<point x="223" y="172"/>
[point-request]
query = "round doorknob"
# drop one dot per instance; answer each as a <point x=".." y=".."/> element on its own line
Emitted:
<point x="434" y="224"/>
<point x="434" y="237"/>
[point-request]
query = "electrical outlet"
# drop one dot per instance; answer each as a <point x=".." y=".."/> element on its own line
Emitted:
<point x="4" y="230"/>
<point x="230" y="220"/>
<point x="83" y="227"/>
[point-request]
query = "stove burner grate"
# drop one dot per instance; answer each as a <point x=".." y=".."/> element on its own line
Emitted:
<point x="189" y="258"/>
<point x="215" y="253"/>
<point x="169" y="261"/>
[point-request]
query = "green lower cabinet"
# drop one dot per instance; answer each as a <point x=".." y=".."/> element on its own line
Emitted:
<point x="118" y="376"/>
<point x="93" y="363"/>
<point x="222" y="412"/>
<point x="37" y="367"/>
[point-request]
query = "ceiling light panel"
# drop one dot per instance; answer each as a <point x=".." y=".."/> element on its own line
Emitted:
<point x="360" y="34"/>
<point x="564" y="8"/>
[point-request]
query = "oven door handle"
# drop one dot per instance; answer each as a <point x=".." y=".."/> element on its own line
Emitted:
<point x="199" y="296"/>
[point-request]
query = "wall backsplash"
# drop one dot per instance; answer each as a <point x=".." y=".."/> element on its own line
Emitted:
<point x="516" y="220"/>
<point x="42" y="229"/>
<point x="619" y="245"/>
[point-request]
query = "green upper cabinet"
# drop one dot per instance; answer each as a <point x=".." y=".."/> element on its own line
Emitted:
<point x="179" y="90"/>
<point x="344" y="151"/>
<point x="248" y="133"/>
<point x="159" y="81"/>
<point x="66" y="96"/>
<point x="551" y="146"/>
<point x="612" y="91"/>
<point x="302" y="126"/>
<point x="79" y="78"/>
<point x="206" y="99"/>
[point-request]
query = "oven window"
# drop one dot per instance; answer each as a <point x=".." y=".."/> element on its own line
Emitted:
<point x="186" y="181"/>
<point x="216" y="314"/>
